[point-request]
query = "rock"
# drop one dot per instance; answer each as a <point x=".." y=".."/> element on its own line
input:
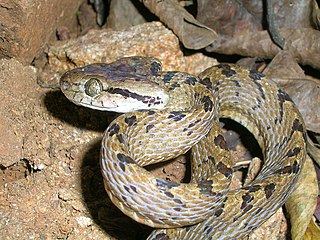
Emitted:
<point x="27" y="26"/>
<point x="16" y="82"/>
<point x="149" y="39"/>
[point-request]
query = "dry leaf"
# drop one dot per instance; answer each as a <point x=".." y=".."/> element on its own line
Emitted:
<point x="313" y="151"/>
<point x="227" y="18"/>
<point x="303" y="200"/>
<point x="191" y="33"/>
<point x="303" y="43"/>
<point x="316" y="15"/>
<point x="303" y="90"/>
<point x="313" y="231"/>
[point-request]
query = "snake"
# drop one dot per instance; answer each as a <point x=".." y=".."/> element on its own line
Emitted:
<point x="167" y="113"/>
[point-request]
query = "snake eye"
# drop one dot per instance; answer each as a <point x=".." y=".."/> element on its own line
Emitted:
<point x="93" y="87"/>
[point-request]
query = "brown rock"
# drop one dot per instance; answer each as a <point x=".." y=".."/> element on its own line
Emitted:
<point x="15" y="85"/>
<point x="27" y="26"/>
<point x="149" y="39"/>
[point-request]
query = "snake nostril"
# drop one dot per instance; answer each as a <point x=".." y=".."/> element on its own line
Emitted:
<point x="64" y="85"/>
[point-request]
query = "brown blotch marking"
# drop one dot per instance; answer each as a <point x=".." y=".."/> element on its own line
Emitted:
<point x="252" y="188"/>
<point x="176" y="200"/>
<point x="293" y="152"/>
<point x="176" y="115"/>
<point x="126" y="188"/>
<point x="162" y="236"/>
<point x="212" y="159"/>
<point x="192" y="125"/>
<point x="189" y="133"/>
<point x="247" y="208"/>
<point x="169" y="194"/>
<point x="148" y="127"/>
<point x="255" y="75"/>
<point x="124" y="158"/>
<point x="155" y="67"/>
<point x="223" y="65"/>
<point x="177" y="209"/>
<point x="151" y="112"/>
<point x="205" y="186"/>
<point x="252" y="228"/>
<point x="122" y="166"/>
<point x="120" y="138"/>
<point x="188" y="228"/>
<point x="295" y="167"/>
<point x="246" y="199"/>
<point x="165" y="185"/>
<point x="124" y="198"/>
<point x="269" y="190"/>
<point x="289" y="169"/>
<point x="227" y="172"/>
<point x="174" y="85"/>
<point x="113" y="129"/>
<point x="206" y="82"/>
<point x="226" y="70"/>
<point x="208" y="230"/>
<point x="258" y="211"/>
<point x="260" y="89"/>
<point x="235" y="219"/>
<point x="190" y="80"/>
<point x="282" y="97"/>
<point x="133" y="188"/>
<point x="208" y="104"/>
<point x="219" y="210"/>
<point x="236" y="82"/>
<point x="297" y="126"/>
<point x="168" y="76"/>
<point x="220" y="142"/>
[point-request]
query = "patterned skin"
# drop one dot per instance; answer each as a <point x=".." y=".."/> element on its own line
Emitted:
<point x="168" y="113"/>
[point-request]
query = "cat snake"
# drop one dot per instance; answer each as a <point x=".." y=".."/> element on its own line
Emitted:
<point x="168" y="113"/>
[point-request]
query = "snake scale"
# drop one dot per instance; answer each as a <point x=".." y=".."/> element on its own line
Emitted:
<point x="169" y="113"/>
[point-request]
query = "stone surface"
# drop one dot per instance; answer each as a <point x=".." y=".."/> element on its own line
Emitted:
<point x="28" y="25"/>
<point x="149" y="39"/>
<point x="17" y="84"/>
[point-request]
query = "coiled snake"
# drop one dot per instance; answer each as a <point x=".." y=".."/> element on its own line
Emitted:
<point x="168" y="113"/>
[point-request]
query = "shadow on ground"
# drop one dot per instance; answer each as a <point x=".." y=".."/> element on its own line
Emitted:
<point x="103" y="212"/>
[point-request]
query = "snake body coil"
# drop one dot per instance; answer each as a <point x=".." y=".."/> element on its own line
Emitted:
<point x="169" y="113"/>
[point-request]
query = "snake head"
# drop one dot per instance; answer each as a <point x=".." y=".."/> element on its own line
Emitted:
<point x="106" y="89"/>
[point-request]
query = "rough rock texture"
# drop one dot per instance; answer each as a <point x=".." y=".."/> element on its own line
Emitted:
<point x="149" y="39"/>
<point x="27" y="26"/>
<point x="19" y="85"/>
